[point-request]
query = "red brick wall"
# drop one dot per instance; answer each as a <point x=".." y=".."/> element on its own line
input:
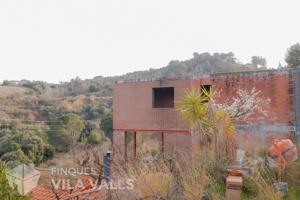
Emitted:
<point x="132" y="105"/>
<point x="274" y="85"/>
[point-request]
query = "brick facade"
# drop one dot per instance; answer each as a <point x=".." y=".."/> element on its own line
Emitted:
<point x="134" y="112"/>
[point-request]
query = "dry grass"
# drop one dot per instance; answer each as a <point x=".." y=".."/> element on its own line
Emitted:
<point x="11" y="90"/>
<point x="151" y="180"/>
<point x="194" y="182"/>
<point x="66" y="159"/>
<point x="163" y="178"/>
<point x="260" y="185"/>
<point x="169" y="178"/>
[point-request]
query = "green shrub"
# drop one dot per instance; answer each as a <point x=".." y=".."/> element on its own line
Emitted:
<point x="15" y="158"/>
<point x="95" y="137"/>
<point x="107" y="125"/>
<point x="93" y="88"/>
<point x="33" y="146"/>
<point x="64" y="130"/>
<point x="13" y="147"/>
<point x="6" y="191"/>
<point x="49" y="152"/>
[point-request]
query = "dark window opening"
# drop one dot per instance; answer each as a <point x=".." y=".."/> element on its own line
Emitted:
<point x="205" y="89"/>
<point x="163" y="97"/>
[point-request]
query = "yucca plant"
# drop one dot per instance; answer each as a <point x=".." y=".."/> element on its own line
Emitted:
<point x="209" y="122"/>
<point x="194" y="106"/>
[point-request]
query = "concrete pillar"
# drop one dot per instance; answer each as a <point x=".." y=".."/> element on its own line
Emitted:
<point x="134" y="145"/>
<point x="162" y="142"/>
<point x="119" y="145"/>
<point x="125" y="145"/>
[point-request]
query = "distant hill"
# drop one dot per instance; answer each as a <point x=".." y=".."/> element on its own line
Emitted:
<point x="199" y="64"/>
<point x="204" y="63"/>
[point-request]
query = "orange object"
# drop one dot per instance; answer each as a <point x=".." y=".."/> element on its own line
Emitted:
<point x="283" y="152"/>
<point x="235" y="172"/>
<point x="284" y="148"/>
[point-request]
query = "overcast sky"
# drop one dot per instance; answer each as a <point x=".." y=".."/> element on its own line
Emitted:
<point x="56" y="40"/>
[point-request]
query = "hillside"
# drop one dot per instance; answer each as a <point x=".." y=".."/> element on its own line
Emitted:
<point x="10" y="90"/>
<point x="33" y="112"/>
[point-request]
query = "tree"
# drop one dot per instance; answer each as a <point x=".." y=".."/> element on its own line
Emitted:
<point x="49" y="152"/>
<point x="258" y="61"/>
<point x="65" y="132"/>
<point x="25" y="147"/>
<point x="93" y="88"/>
<point x="34" y="147"/>
<point x="6" y="191"/>
<point x="244" y="104"/>
<point x="107" y="125"/>
<point x="292" y="57"/>
<point x="38" y="86"/>
<point x="15" y="158"/>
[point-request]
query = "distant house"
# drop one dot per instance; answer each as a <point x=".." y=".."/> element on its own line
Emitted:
<point x="148" y="107"/>
<point x="10" y="83"/>
<point x="15" y="83"/>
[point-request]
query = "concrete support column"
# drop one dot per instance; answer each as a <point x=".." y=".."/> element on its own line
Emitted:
<point x="125" y="145"/>
<point x="119" y="145"/>
<point x="162" y="142"/>
<point x="134" y="145"/>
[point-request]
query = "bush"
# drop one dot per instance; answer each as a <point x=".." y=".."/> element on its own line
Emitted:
<point x="61" y="139"/>
<point x="107" y="125"/>
<point x="91" y="112"/>
<point x="38" y="86"/>
<point x="15" y="158"/>
<point x="49" y="152"/>
<point x="95" y="137"/>
<point x="7" y="144"/>
<point x="93" y="88"/>
<point x="6" y="191"/>
<point x="65" y="129"/>
<point x="33" y="146"/>
<point x="15" y="146"/>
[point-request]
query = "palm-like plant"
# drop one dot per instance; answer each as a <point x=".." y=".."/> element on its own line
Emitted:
<point x="208" y="121"/>
<point x="197" y="109"/>
<point x="193" y="106"/>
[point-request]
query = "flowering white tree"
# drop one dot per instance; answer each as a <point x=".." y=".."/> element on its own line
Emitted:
<point x="244" y="104"/>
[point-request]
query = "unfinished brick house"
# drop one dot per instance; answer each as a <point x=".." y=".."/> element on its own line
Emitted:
<point x="148" y="107"/>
